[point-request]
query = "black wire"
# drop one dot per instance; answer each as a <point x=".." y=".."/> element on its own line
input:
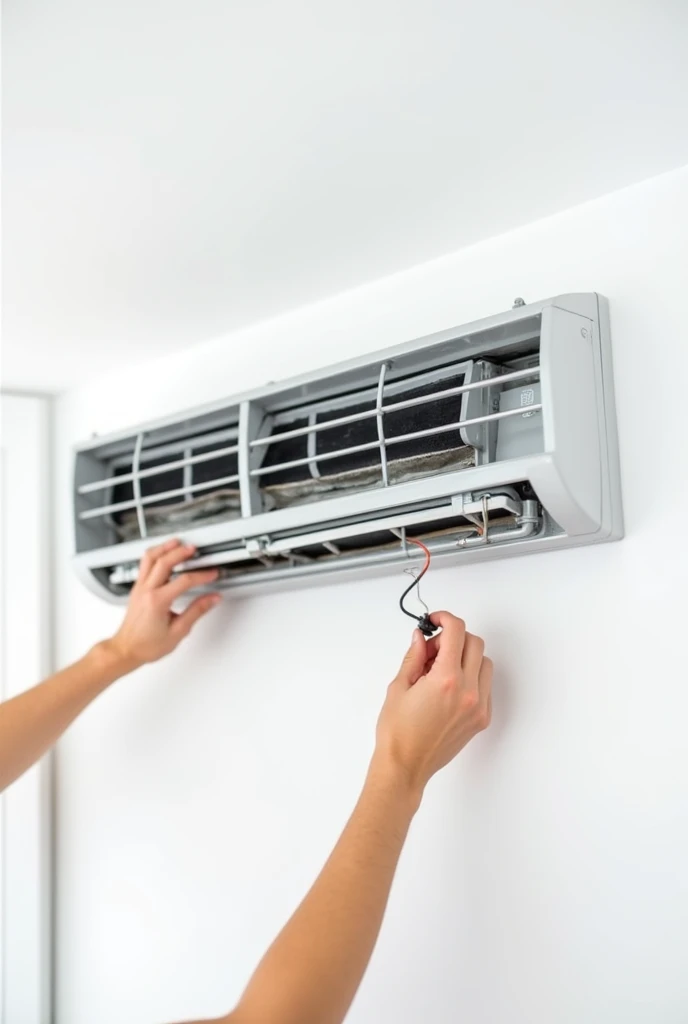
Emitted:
<point x="408" y="590"/>
<point x="423" y="622"/>
<point x="426" y="627"/>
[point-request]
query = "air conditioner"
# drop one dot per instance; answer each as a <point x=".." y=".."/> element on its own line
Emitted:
<point x="497" y="438"/>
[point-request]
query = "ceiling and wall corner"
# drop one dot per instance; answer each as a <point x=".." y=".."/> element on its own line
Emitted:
<point x="174" y="173"/>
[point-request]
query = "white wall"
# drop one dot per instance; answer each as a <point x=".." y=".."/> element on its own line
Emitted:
<point x="546" y="877"/>
<point x="25" y="819"/>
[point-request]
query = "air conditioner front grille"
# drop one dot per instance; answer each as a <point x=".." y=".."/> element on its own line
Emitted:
<point x="377" y="436"/>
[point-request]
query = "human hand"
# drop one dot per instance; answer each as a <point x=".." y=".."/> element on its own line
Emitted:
<point x="151" y="629"/>
<point x="439" y="700"/>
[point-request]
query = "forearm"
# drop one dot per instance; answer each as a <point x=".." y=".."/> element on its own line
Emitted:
<point x="313" y="969"/>
<point x="33" y="721"/>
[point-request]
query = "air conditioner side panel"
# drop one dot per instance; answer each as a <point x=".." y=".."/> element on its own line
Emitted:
<point x="612" y="505"/>
<point x="569" y="483"/>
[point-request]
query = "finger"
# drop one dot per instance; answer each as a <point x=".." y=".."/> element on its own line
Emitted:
<point x="431" y="649"/>
<point x="472" y="658"/>
<point x="187" y="581"/>
<point x="185" y="622"/>
<point x="413" y="665"/>
<point x="151" y="556"/>
<point x="432" y="646"/>
<point x="163" y="566"/>
<point x="450" y="641"/>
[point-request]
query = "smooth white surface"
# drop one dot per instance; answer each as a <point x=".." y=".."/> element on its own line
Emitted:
<point x="172" y="172"/>
<point x="546" y="876"/>
<point x="25" y="842"/>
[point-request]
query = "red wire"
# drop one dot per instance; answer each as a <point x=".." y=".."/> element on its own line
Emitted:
<point x="420" y="544"/>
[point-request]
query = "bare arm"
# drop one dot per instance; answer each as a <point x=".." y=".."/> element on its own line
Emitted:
<point x="313" y="969"/>
<point x="33" y="721"/>
<point x="439" y="700"/>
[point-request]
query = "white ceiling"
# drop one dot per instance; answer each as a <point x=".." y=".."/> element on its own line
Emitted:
<point x="174" y="170"/>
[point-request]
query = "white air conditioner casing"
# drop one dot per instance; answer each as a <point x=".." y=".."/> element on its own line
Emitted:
<point x="492" y="439"/>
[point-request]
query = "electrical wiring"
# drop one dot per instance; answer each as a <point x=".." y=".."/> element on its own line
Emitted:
<point x="424" y="624"/>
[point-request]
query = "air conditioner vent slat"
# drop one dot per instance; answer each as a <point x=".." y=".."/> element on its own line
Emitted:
<point x="165" y="467"/>
<point x="416" y="435"/>
<point x="506" y="514"/>
<point x="121" y="506"/>
<point x="341" y="421"/>
<point x="157" y="451"/>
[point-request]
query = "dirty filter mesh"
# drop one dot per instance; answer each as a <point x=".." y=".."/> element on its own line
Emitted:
<point x="282" y="488"/>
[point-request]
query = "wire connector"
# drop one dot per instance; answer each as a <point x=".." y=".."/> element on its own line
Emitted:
<point x="426" y="627"/>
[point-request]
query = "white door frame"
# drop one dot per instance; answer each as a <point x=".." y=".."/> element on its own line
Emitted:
<point x="25" y="658"/>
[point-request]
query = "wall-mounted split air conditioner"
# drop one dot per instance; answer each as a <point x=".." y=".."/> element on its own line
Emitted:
<point x="496" y="438"/>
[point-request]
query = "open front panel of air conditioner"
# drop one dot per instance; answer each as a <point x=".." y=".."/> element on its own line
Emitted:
<point x="497" y="437"/>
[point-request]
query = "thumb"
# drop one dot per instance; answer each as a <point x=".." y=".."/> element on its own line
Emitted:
<point x="184" y="623"/>
<point x="414" y="661"/>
